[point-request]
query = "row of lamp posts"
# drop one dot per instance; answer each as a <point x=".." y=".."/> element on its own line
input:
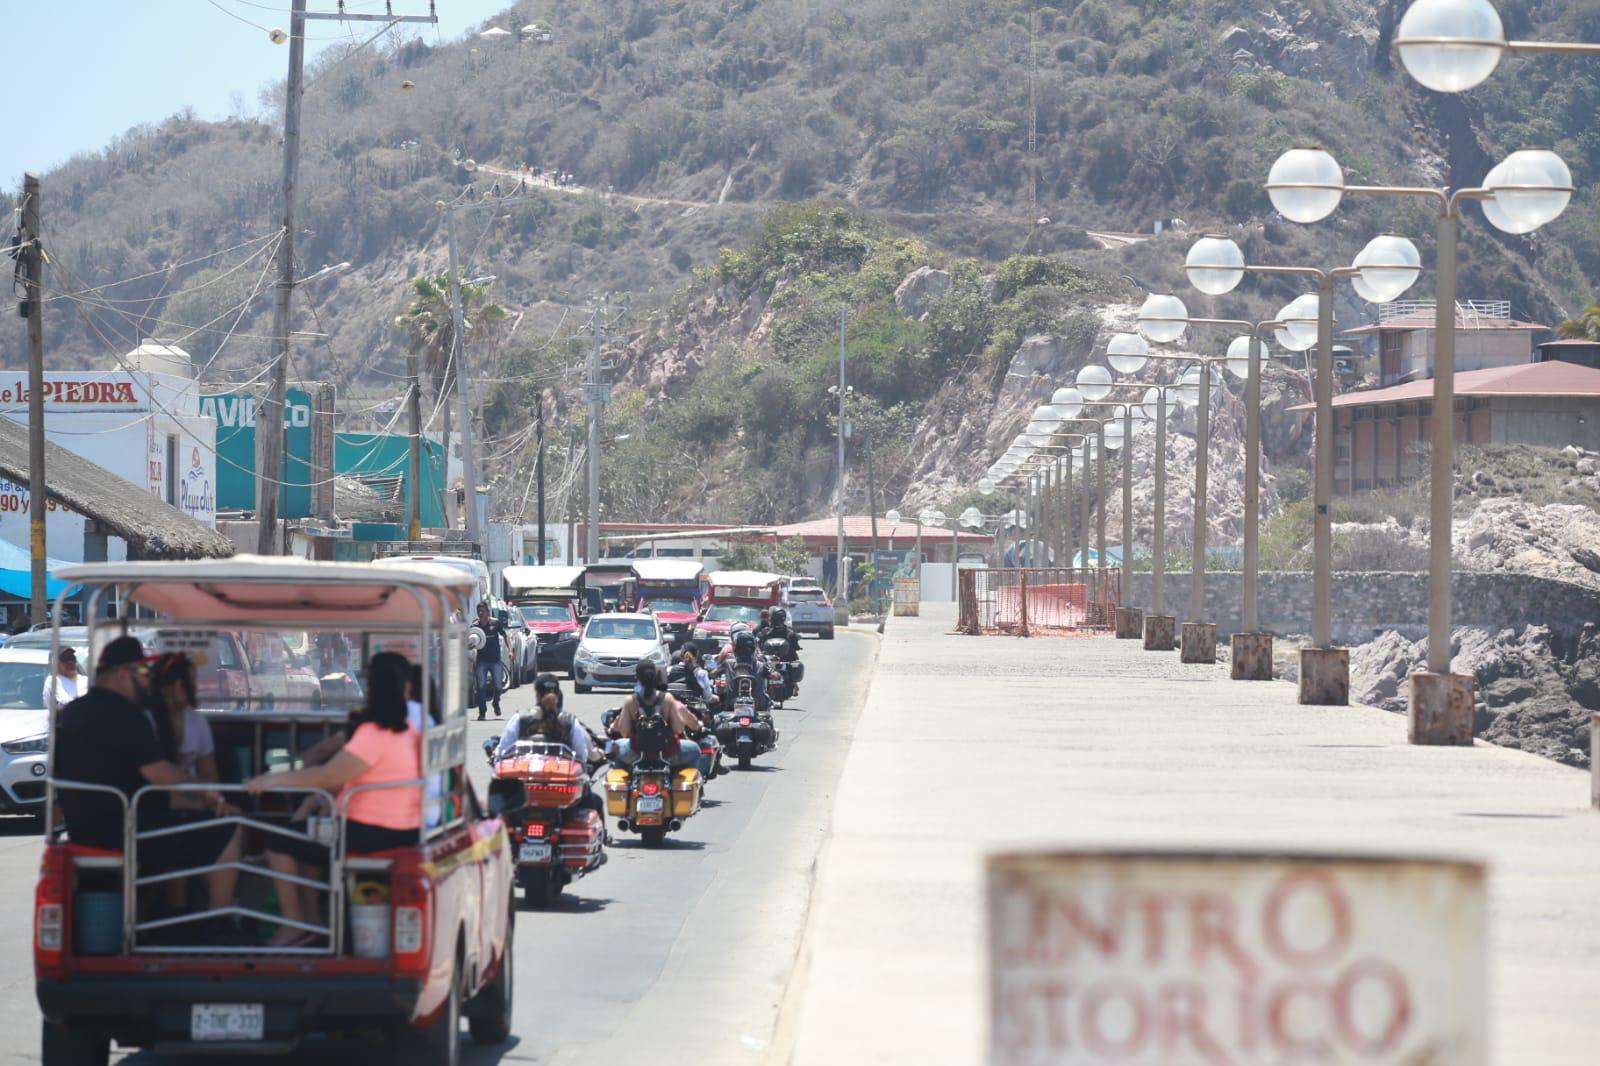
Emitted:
<point x="1447" y="46"/>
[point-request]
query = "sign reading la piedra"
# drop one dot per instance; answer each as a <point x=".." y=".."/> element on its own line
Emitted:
<point x="1172" y="959"/>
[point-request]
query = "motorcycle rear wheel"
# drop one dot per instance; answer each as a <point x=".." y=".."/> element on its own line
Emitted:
<point x="652" y="835"/>
<point x="541" y="889"/>
<point x="744" y="762"/>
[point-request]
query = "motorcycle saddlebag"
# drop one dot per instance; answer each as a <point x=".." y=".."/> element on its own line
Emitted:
<point x="728" y="730"/>
<point x="797" y="671"/>
<point x="617" y="792"/>
<point x="581" y="838"/>
<point x="685" y="792"/>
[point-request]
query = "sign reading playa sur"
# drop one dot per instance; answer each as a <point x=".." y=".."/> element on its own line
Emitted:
<point x="1180" y="958"/>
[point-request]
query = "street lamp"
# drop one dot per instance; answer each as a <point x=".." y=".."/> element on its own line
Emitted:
<point x="1303" y="182"/>
<point x="1523" y="192"/>
<point x="1452" y="45"/>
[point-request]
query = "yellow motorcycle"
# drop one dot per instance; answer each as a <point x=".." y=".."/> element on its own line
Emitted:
<point x="651" y="798"/>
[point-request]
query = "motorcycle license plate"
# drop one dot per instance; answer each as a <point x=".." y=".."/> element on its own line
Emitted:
<point x="222" y="1022"/>
<point x="649" y="805"/>
<point x="532" y="852"/>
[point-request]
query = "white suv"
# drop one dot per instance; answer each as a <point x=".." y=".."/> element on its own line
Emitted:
<point x="613" y="646"/>
<point x="24" y="727"/>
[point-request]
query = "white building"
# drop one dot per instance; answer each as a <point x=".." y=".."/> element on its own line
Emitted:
<point x="144" y="426"/>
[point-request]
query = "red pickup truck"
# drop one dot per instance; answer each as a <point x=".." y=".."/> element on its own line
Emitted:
<point x="402" y="944"/>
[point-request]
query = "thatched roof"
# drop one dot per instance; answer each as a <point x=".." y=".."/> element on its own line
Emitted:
<point x="153" y="528"/>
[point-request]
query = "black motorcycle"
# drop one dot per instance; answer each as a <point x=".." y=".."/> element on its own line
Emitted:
<point x="744" y="731"/>
<point x="784" y="669"/>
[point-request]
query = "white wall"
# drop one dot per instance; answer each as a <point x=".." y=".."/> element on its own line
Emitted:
<point x="936" y="583"/>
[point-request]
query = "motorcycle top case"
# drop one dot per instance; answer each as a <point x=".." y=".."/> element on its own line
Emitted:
<point x="552" y="780"/>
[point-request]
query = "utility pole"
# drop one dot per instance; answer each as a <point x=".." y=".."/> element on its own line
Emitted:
<point x="538" y="468"/>
<point x="596" y="393"/>
<point x="269" y="416"/>
<point x="842" y="578"/>
<point x="414" y="401"/>
<point x="32" y="251"/>
<point x="458" y="341"/>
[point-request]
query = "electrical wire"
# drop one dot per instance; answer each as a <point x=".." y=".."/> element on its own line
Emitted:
<point x="172" y="267"/>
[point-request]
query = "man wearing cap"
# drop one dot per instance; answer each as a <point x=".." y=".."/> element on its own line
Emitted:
<point x="65" y="684"/>
<point x="105" y="738"/>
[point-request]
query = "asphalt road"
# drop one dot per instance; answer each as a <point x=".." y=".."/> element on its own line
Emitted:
<point x="684" y="950"/>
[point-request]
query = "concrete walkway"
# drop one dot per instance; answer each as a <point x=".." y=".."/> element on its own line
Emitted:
<point x="969" y="745"/>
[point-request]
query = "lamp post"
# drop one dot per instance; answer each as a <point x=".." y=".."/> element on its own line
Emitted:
<point x="1216" y="265"/>
<point x="1450" y="46"/>
<point x="1519" y="194"/>
<point x="1215" y="262"/>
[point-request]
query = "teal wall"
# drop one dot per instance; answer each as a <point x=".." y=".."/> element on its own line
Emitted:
<point x="235" y="413"/>
<point x="385" y="455"/>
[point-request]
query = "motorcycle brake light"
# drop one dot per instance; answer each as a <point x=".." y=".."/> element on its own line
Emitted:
<point x="650" y="788"/>
<point x="536" y="829"/>
<point x="744" y="721"/>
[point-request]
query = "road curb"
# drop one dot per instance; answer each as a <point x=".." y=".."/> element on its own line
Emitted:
<point x="786" y="1029"/>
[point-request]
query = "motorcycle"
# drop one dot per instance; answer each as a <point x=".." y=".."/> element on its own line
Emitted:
<point x="743" y="730"/>
<point x="651" y="798"/>
<point x="710" y="747"/>
<point x="554" y="840"/>
<point x="784" y="669"/>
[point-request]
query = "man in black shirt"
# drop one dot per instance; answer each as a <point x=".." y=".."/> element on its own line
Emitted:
<point x="490" y="657"/>
<point x="105" y="738"/>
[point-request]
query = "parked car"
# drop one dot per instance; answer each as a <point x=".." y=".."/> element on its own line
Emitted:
<point x="810" y="610"/>
<point x="524" y="665"/>
<point x="557" y="627"/>
<point x="24" y="728"/>
<point x="612" y="647"/>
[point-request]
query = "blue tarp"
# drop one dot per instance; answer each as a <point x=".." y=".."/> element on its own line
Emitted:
<point x="16" y="573"/>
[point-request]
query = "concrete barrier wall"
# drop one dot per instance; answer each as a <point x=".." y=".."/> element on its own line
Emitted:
<point x="1364" y="604"/>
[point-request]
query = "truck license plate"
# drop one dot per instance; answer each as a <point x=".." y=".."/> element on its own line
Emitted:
<point x="217" y="1022"/>
<point x="532" y="852"/>
<point x="649" y="804"/>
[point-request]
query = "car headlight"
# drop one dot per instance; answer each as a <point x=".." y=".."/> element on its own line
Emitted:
<point x="31" y="746"/>
<point x="585" y="654"/>
<point x="660" y="657"/>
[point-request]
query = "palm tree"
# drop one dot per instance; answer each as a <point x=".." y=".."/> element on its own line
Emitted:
<point x="1585" y="327"/>
<point x="430" y="329"/>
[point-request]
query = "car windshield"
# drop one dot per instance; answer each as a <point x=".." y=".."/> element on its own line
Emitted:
<point x="544" y="612"/>
<point x="727" y="612"/>
<point x="807" y="595"/>
<point x="22" y="685"/>
<point x="669" y="605"/>
<point x="620" y="629"/>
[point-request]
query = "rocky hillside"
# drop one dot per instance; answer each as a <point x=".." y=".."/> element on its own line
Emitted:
<point x="703" y="116"/>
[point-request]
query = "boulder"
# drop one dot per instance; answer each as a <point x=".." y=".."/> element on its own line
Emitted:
<point x="1588" y="467"/>
<point x="921" y="288"/>
<point x="1572" y="451"/>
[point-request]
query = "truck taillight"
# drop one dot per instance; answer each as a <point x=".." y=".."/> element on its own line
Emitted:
<point x="411" y="897"/>
<point x="49" y="915"/>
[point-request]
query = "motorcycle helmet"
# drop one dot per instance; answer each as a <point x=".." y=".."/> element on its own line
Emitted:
<point x="744" y="642"/>
<point x="545" y="684"/>
<point x="779" y="617"/>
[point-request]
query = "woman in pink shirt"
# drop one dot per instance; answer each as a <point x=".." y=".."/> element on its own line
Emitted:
<point x="383" y="749"/>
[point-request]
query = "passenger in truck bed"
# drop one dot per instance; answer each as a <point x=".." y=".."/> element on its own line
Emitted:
<point x="383" y="748"/>
<point x="105" y="738"/>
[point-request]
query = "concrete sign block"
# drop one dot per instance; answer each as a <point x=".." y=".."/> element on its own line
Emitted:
<point x="1179" y="958"/>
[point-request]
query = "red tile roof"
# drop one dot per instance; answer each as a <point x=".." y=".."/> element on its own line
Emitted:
<point x="1552" y="378"/>
<point x="859" y="527"/>
<point x="1570" y="342"/>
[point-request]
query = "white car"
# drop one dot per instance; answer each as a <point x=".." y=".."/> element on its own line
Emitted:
<point x="612" y="647"/>
<point x="24" y="726"/>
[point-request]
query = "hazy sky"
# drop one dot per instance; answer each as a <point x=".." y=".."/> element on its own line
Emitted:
<point x="105" y="65"/>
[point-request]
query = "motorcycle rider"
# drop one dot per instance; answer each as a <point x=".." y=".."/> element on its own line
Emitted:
<point x="695" y="675"/>
<point x="745" y="663"/>
<point x="778" y="626"/>
<point x="546" y="721"/>
<point x="652" y="719"/>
